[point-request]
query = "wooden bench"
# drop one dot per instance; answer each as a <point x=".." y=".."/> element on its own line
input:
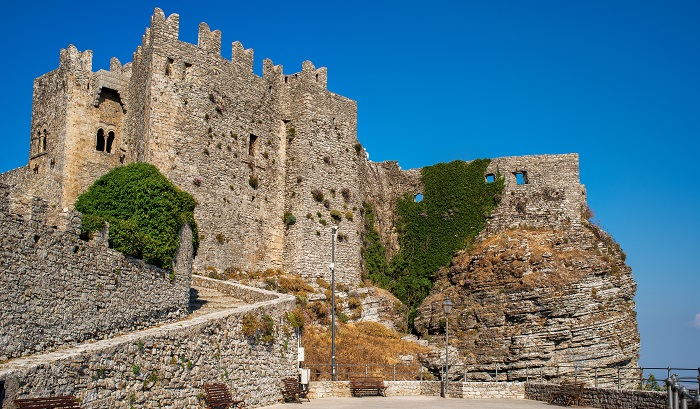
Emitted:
<point x="62" y="402"/>
<point x="568" y="393"/>
<point x="361" y="385"/>
<point x="292" y="392"/>
<point x="219" y="397"/>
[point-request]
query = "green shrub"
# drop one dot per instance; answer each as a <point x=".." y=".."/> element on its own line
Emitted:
<point x="336" y="215"/>
<point x="289" y="219"/>
<point x="358" y="148"/>
<point x="262" y="329"/>
<point x="145" y="212"/>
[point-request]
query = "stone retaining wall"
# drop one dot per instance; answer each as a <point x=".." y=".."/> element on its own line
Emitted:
<point x="59" y="290"/>
<point x="487" y="390"/>
<point x="470" y="390"/>
<point x="603" y="398"/>
<point x="341" y="389"/>
<point x="167" y="366"/>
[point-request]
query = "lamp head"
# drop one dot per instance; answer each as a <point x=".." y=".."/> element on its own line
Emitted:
<point x="447" y="306"/>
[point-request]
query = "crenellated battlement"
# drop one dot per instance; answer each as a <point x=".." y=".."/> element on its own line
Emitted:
<point x="169" y="27"/>
<point x="73" y="60"/>
<point x="241" y="55"/>
<point x="209" y="40"/>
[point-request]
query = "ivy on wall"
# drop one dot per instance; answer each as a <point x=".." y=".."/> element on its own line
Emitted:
<point x="144" y="209"/>
<point x="376" y="268"/>
<point x="456" y="202"/>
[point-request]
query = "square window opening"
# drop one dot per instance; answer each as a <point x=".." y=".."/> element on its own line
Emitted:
<point x="521" y="178"/>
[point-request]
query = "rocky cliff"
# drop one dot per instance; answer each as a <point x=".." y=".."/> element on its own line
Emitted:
<point x="534" y="298"/>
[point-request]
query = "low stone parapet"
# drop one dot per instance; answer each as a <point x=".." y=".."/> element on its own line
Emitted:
<point x="471" y="390"/>
<point x="602" y="397"/>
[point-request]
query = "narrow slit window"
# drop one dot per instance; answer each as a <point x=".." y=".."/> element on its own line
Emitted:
<point x="100" y="143"/>
<point x="168" y="67"/>
<point x="521" y="178"/>
<point x="251" y="144"/>
<point x="490" y="178"/>
<point x="110" y="141"/>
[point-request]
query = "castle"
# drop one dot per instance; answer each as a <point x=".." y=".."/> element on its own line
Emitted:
<point x="249" y="149"/>
<point x="272" y="162"/>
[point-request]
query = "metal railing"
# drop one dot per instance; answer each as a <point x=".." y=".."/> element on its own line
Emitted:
<point x="639" y="378"/>
<point x="397" y="372"/>
<point x="679" y="396"/>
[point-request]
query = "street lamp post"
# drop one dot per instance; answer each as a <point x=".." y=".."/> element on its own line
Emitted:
<point x="447" y="308"/>
<point x="334" y="232"/>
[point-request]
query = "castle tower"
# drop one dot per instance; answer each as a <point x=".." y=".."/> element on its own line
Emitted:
<point x="76" y="130"/>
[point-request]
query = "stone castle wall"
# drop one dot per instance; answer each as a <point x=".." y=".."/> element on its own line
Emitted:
<point x="60" y="290"/>
<point x="167" y="366"/>
<point x="539" y="191"/>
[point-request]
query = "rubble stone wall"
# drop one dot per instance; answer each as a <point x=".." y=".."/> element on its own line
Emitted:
<point x="60" y="290"/>
<point x="603" y="398"/>
<point x="166" y="366"/>
<point x="538" y="191"/>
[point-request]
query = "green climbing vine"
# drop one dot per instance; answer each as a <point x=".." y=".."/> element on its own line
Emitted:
<point x="456" y="202"/>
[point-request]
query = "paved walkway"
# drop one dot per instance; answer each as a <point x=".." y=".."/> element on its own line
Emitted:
<point x="413" y="402"/>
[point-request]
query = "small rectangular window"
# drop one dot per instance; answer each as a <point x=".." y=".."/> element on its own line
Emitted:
<point x="490" y="178"/>
<point x="521" y="178"/>
<point x="251" y="144"/>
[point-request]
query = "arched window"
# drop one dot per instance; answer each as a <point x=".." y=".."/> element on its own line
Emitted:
<point x="100" y="144"/>
<point x="110" y="141"/>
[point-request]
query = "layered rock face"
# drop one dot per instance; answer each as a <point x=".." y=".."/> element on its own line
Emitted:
<point x="538" y="298"/>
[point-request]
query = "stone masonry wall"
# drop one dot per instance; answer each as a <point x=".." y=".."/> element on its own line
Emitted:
<point x="322" y="156"/>
<point x="59" y="289"/>
<point x="383" y="184"/>
<point x="466" y="390"/>
<point x="603" y="398"/>
<point x="550" y="196"/>
<point x="166" y="366"/>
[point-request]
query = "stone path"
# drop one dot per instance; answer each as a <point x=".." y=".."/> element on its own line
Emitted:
<point x="415" y="402"/>
<point x="205" y="300"/>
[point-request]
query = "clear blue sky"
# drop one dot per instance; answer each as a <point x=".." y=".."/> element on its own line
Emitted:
<point x="616" y="81"/>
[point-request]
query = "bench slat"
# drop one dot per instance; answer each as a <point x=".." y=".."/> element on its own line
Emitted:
<point x="218" y="396"/>
<point x="51" y="402"/>
<point x="360" y="385"/>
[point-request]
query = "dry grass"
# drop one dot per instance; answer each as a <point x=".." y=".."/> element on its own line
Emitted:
<point x="363" y="343"/>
